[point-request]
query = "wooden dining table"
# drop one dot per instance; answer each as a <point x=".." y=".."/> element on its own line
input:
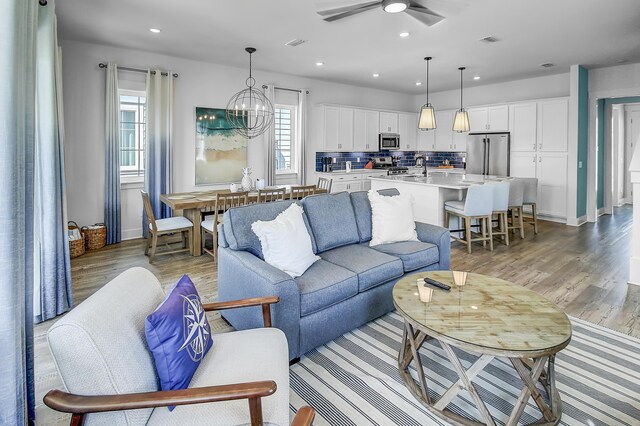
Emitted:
<point x="192" y="204"/>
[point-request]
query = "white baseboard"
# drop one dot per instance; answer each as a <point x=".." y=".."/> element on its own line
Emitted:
<point x="577" y="221"/>
<point x="552" y="218"/>
<point x="131" y="234"/>
<point x="601" y="211"/>
<point x="634" y="271"/>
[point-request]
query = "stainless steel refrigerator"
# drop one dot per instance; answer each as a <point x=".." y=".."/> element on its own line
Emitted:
<point x="488" y="154"/>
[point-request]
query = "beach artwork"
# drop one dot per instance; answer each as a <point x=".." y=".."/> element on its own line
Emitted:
<point x="221" y="153"/>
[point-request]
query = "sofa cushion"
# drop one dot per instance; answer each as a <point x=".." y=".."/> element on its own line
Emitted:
<point x="414" y="254"/>
<point x="372" y="267"/>
<point x="237" y="225"/>
<point x="325" y="284"/>
<point x="332" y="220"/>
<point x="262" y="354"/>
<point x="362" y="209"/>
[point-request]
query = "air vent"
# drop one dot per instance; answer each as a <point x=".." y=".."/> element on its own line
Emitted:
<point x="547" y="65"/>
<point x="295" y="42"/>
<point x="489" y="39"/>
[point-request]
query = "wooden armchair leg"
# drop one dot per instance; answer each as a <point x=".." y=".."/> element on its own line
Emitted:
<point x="255" y="410"/>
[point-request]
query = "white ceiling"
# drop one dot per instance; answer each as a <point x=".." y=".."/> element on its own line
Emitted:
<point x="564" y="32"/>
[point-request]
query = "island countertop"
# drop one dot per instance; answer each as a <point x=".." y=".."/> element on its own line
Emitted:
<point x="453" y="181"/>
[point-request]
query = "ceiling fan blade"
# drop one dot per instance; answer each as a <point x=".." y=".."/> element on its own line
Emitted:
<point x="343" y="12"/>
<point x="424" y="15"/>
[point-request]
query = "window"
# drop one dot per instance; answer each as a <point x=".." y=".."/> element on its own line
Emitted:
<point x="286" y="138"/>
<point x="133" y="132"/>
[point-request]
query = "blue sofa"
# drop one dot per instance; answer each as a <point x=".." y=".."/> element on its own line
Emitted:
<point x="349" y="286"/>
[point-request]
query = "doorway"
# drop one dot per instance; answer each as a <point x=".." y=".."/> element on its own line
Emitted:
<point x="630" y="138"/>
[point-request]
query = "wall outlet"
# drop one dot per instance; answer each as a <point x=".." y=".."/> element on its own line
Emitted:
<point x="426" y="158"/>
<point x="334" y="160"/>
<point x="357" y="159"/>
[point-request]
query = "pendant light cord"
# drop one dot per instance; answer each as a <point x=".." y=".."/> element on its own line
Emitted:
<point x="428" y="80"/>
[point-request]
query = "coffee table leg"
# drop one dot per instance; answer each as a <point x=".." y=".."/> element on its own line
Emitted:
<point x="530" y="379"/>
<point x="457" y="365"/>
<point x="415" y="347"/>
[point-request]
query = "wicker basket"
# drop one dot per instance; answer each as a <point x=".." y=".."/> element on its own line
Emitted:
<point x="76" y="247"/>
<point x="94" y="238"/>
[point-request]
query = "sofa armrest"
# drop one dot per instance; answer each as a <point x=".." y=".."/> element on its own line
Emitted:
<point x="241" y="275"/>
<point x="439" y="236"/>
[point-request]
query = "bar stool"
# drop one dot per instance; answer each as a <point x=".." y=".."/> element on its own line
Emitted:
<point x="516" y="196"/>
<point x="478" y="204"/>
<point x="500" y="208"/>
<point x="530" y="198"/>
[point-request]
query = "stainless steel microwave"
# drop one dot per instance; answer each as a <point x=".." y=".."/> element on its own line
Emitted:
<point x="389" y="141"/>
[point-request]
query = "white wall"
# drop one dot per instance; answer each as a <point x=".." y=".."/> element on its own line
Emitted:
<point x="551" y="86"/>
<point x="199" y="84"/>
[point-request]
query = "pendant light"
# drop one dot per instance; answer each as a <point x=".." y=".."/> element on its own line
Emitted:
<point x="461" y="122"/>
<point x="427" y="119"/>
<point x="249" y="111"/>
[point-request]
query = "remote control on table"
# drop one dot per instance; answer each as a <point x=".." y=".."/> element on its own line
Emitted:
<point x="437" y="284"/>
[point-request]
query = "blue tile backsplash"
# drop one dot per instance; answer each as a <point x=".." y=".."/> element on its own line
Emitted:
<point x="407" y="158"/>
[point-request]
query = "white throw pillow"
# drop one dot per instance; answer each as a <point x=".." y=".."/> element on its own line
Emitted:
<point x="285" y="241"/>
<point x="391" y="219"/>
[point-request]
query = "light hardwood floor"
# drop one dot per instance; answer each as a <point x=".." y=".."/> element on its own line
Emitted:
<point x="584" y="270"/>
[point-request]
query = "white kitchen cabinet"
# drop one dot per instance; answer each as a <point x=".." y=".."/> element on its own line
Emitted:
<point x="459" y="142"/>
<point x="553" y="122"/>
<point x="388" y="122"/>
<point x="426" y="140"/>
<point x="552" y="184"/>
<point x="408" y="131"/>
<point x="366" y="124"/>
<point x="443" y="131"/>
<point x="349" y="186"/>
<point x="551" y="170"/>
<point x="337" y="125"/>
<point x="492" y="119"/>
<point x="523" y="164"/>
<point x="523" y="126"/>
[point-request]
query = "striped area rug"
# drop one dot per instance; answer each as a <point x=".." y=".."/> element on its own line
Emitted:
<point x="354" y="380"/>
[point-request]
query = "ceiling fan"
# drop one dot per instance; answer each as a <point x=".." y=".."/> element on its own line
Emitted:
<point x="410" y="7"/>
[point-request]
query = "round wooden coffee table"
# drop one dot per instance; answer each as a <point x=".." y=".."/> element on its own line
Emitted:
<point x="489" y="317"/>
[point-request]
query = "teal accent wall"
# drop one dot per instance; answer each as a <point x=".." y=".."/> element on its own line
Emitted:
<point x="583" y="140"/>
<point x="603" y="104"/>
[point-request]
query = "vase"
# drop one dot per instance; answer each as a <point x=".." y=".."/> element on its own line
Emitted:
<point x="246" y="179"/>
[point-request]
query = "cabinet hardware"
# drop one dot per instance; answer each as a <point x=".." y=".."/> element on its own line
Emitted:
<point x="534" y="146"/>
<point x="539" y="159"/>
<point x="540" y="146"/>
<point x="534" y="158"/>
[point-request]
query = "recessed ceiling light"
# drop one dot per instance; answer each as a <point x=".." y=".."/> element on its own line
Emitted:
<point x="319" y="64"/>
<point x="394" y="6"/>
<point x="155" y="30"/>
<point x="404" y="34"/>
<point x="477" y="77"/>
<point x="547" y="65"/>
<point x="418" y="83"/>
<point x="376" y="75"/>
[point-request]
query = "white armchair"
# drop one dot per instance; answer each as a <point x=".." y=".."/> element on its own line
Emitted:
<point x="101" y="353"/>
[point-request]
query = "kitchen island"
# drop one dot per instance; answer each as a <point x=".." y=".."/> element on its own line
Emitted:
<point x="430" y="193"/>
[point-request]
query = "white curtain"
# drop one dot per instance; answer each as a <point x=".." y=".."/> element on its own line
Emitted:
<point x="18" y="26"/>
<point x="302" y="136"/>
<point x="112" y="215"/>
<point x="52" y="272"/>
<point x="157" y="173"/>
<point x="270" y="93"/>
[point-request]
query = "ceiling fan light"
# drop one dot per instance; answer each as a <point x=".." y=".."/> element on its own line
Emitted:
<point x="427" y="120"/>
<point x="461" y="121"/>
<point x="394" y="6"/>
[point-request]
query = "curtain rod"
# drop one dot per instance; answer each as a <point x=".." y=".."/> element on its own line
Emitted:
<point x="103" y="65"/>
<point x="264" y="86"/>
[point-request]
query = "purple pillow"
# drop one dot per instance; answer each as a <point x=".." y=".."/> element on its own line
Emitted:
<point x="178" y="335"/>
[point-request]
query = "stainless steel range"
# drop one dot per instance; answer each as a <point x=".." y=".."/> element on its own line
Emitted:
<point x="390" y="164"/>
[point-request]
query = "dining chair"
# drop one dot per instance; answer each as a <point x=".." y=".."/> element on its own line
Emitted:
<point x="516" y="199"/>
<point x="477" y="205"/>
<point x="530" y="198"/>
<point x="299" y="192"/>
<point x="162" y="227"/>
<point x="224" y="201"/>
<point x="271" y="194"/>
<point x="324" y="183"/>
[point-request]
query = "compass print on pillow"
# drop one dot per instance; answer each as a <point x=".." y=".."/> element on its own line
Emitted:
<point x="178" y="335"/>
